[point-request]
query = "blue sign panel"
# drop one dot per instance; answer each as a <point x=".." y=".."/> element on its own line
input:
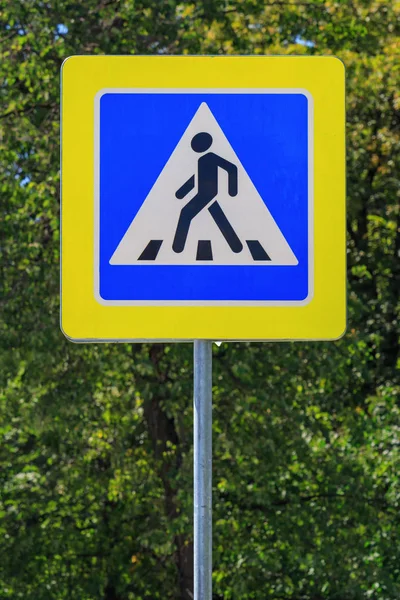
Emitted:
<point x="203" y="197"/>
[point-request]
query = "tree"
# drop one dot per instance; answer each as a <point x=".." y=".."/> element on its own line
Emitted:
<point x="96" y="465"/>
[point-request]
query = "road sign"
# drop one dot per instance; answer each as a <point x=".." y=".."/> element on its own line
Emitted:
<point x="203" y="197"/>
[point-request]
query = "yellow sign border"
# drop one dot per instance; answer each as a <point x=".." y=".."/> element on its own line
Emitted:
<point x="83" y="318"/>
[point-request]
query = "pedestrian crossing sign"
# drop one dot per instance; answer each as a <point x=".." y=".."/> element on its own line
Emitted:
<point x="203" y="197"/>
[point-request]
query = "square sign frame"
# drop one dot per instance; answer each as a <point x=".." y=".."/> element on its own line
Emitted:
<point x="89" y="316"/>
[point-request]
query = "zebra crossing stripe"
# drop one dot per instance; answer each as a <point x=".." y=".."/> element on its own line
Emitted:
<point x="256" y="250"/>
<point x="151" y="250"/>
<point x="204" y="250"/>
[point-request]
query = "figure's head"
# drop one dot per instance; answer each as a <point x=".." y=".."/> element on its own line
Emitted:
<point x="201" y="142"/>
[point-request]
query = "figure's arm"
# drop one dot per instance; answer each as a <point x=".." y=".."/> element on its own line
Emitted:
<point x="185" y="188"/>
<point x="232" y="175"/>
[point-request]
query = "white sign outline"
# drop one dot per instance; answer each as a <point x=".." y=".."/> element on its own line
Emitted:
<point x="310" y="181"/>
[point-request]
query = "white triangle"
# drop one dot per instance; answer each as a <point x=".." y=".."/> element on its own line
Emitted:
<point x="158" y="216"/>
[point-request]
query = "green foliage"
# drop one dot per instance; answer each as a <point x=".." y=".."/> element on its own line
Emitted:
<point x="95" y="454"/>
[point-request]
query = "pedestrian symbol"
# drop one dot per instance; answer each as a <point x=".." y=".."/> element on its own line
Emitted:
<point x="223" y="221"/>
<point x="207" y="190"/>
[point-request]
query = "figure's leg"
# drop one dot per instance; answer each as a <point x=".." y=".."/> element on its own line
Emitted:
<point x="226" y="228"/>
<point x="182" y="231"/>
<point x="188" y="213"/>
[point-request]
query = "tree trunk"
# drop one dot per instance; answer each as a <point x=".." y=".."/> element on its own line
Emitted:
<point x="162" y="432"/>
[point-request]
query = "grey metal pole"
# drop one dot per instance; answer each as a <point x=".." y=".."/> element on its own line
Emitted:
<point x="202" y="456"/>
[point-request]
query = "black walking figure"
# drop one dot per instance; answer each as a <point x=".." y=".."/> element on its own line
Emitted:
<point x="207" y="189"/>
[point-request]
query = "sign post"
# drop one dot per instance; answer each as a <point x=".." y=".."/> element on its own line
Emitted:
<point x="202" y="458"/>
<point x="203" y="198"/>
